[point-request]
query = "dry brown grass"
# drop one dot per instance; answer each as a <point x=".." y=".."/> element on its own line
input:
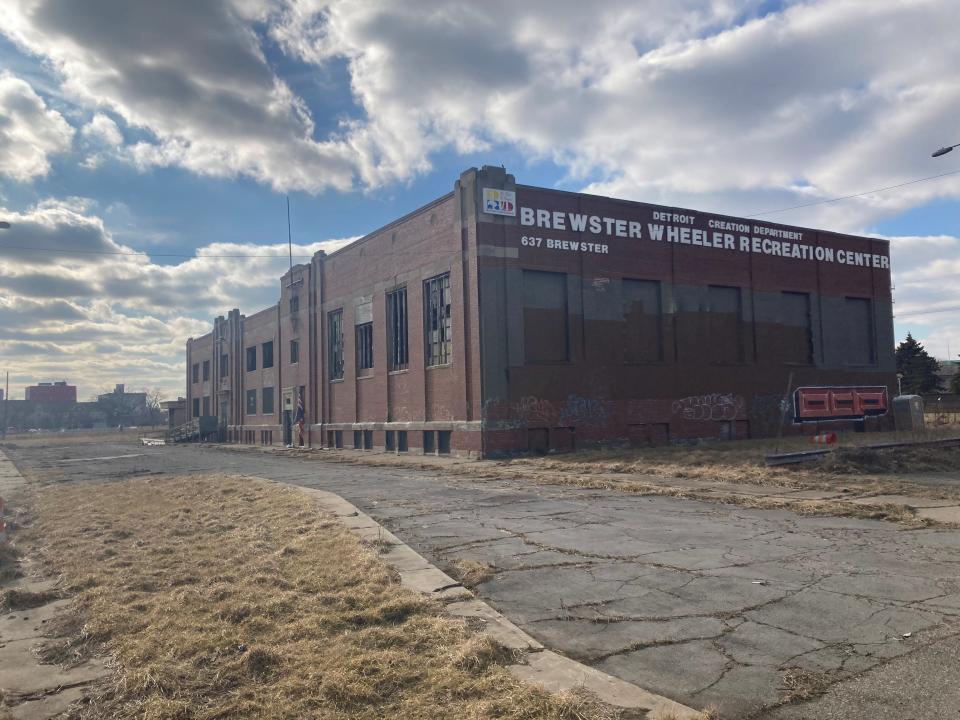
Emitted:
<point x="800" y="685"/>
<point x="471" y="572"/>
<point x="72" y="437"/>
<point x="219" y="597"/>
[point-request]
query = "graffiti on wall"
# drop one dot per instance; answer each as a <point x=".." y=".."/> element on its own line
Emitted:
<point x="583" y="411"/>
<point x="712" y="406"/>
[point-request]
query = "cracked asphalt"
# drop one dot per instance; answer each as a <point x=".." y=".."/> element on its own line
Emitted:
<point x="704" y="603"/>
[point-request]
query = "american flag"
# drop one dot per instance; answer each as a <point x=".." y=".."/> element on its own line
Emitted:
<point x="301" y="416"/>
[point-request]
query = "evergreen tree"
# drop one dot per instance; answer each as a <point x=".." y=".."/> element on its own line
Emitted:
<point x="955" y="382"/>
<point x="919" y="370"/>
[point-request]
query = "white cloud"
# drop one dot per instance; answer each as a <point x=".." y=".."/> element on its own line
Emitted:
<point x="30" y="132"/>
<point x="69" y="291"/>
<point x="103" y="129"/>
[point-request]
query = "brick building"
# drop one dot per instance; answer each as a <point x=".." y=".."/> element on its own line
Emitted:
<point x="503" y="318"/>
<point x="51" y="392"/>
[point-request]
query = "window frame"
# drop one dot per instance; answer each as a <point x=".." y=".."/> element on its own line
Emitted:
<point x="266" y="355"/>
<point x="251" y="395"/>
<point x="398" y="335"/>
<point x="438" y="319"/>
<point x="335" y="364"/>
<point x="263" y="401"/>
<point x="295" y="352"/>
<point x="251" y="363"/>
<point x="363" y="344"/>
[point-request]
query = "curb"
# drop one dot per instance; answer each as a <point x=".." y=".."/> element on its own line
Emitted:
<point x="543" y="667"/>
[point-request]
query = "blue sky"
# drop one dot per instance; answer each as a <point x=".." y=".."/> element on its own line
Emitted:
<point x="176" y="130"/>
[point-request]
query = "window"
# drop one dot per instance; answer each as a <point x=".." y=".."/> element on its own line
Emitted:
<point x="266" y="404"/>
<point x="796" y="342"/>
<point x="206" y="370"/>
<point x="545" y="322"/>
<point x="397" y="329"/>
<point x="206" y="406"/>
<point x="195" y="373"/>
<point x="251" y="402"/>
<point x="443" y="442"/>
<point x="268" y="355"/>
<point x="294" y="304"/>
<point x="642" y="321"/>
<point x="725" y="342"/>
<point x="364" y="336"/>
<point x="858" y="331"/>
<point x="196" y="406"/>
<point x="437" y="320"/>
<point x="251" y="358"/>
<point x="294" y="352"/>
<point x="357" y="439"/>
<point x="335" y="344"/>
<point x="224" y="365"/>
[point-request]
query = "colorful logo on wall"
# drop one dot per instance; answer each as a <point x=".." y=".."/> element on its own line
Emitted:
<point x="500" y="202"/>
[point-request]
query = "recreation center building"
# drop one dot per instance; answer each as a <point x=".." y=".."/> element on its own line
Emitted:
<point x="504" y="318"/>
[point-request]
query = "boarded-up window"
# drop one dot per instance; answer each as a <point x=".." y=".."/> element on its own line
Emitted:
<point x="251" y="358"/>
<point x="267" y="355"/>
<point x="796" y="339"/>
<point x="725" y="341"/>
<point x="224" y="365"/>
<point x="545" y="324"/>
<point x="859" y="345"/>
<point x="251" y="402"/>
<point x="642" y="321"/>
<point x="267" y="403"/>
<point x="335" y="344"/>
<point x="206" y="370"/>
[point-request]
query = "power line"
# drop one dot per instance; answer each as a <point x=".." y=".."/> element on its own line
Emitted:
<point x="855" y="195"/>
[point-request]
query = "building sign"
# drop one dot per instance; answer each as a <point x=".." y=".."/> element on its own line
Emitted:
<point x="662" y="226"/>
<point x="499" y="202"/>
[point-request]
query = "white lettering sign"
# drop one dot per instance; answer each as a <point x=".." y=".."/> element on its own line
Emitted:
<point x="676" y="228"/>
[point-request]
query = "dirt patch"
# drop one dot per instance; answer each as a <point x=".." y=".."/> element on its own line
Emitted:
<point x="259" y="606"/>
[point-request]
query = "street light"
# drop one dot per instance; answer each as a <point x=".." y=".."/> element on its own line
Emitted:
<point x="944" y="150"/>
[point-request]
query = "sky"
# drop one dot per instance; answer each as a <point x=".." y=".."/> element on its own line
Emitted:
<point x="147" y="149"/>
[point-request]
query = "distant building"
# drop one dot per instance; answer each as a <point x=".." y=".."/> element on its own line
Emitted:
<point x="52" y="392"/>
<point x="122" y="407"/>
